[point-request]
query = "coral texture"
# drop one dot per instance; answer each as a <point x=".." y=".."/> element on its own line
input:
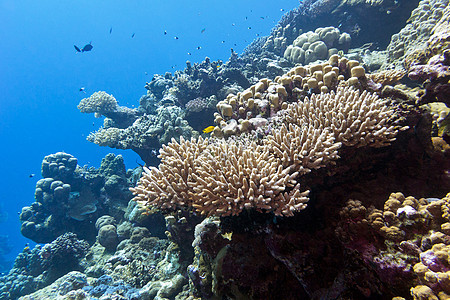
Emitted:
<point x="224" y="177"/>
<point x="98" y="102"/>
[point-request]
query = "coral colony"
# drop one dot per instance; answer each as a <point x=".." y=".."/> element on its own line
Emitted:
<point x="312" y="166"/>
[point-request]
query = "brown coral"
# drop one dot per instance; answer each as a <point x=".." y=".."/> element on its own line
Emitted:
<point x="387" y="77"/>
<point x="225" y="177"/>
<point x="220" y="179"/>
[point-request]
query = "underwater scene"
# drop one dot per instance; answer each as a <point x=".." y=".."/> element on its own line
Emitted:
<point x="176" y="150"/>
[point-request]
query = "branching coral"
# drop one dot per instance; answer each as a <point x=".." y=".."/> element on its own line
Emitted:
<point x="225" y="177"/>
<point x="220" y="179"/>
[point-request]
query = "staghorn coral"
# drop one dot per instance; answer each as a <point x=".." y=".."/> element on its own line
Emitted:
<point x="219" y="178"/>
<point x="225" y="177"/>
<point x="243" y="112"/>
<point x="354" y="118"/>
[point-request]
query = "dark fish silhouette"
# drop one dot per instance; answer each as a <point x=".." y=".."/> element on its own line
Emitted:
<point x="31" y="175"/>
<point x="198" y="48"/>
<point x="176" y="37"/>
<point x="165" y="32"/>
<point x="132" y="36"/>
<point x="82" y="89"/>
<point x="203" y="30"/>
<point x="86" y="48"/>
<point x="110" y="30"/>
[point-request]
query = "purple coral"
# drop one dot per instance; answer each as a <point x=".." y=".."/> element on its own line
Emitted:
<point x="64" y="253"/>
<point x="435" y="68"/>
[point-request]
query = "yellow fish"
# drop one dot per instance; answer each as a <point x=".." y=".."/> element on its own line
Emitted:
<point x="208" y="129"/>
<point x="227" y="235"/>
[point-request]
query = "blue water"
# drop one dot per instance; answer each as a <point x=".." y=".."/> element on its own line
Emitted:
<point x="41" y="73"/>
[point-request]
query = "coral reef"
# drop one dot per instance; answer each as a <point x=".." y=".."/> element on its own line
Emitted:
<point x="287" y="198"/>
<point x="318" y="45"/>
<point x="435" y="75"/>
<point x="223" y="178"/>
<point x="70" y="197"/>
<point x="36" y="268"/>
<point x="411" y="41"/>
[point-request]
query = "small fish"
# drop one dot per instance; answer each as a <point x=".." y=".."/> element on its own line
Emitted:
<point x="87" y="47"/>
<point x="227" y="235"/>
<point x="208" y="129"/>
<point x="76" y="48"/>
<point x="246" y="18"/>
<point x="132" y="36"/>
<point x="145" y="73"/>
<point x="203" y="30"/>
<point x="110" y="30"/>
<point x="223" y="42"/>
<point x="232" y="24"/>
<point x="31" y="175"/>
<point x="198" y="48"/>
<point x="281" y="9"/>
<point x="83" y="89"/>
<point x="93" y="123"/>
<point x="262" y="18"/>
<point x="165" y="32"/>
<point x="175" y="37"/>
<point x="189" y="53"/>
<point x="249" y="27"/>
<point x="257" y="34"/>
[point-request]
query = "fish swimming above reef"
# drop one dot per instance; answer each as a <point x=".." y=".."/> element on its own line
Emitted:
<point x="208" y="129"/>
<point x="86" y="48"/>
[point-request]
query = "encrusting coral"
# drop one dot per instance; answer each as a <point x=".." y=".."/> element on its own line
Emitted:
<point x="219" y="177"/>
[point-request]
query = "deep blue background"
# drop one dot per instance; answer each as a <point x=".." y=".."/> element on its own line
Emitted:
<point x="41" y="73"/>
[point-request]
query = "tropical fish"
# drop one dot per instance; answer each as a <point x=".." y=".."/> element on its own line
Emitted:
<point x="208" y="129"/>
